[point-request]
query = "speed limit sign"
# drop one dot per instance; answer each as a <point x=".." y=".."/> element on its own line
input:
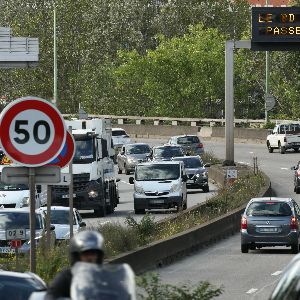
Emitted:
<point x="32" y="131"/>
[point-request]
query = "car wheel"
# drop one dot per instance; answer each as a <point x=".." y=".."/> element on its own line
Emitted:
<point x="281" y="148"/>
<point x="119" y="171"/>
<point x="205" y="189"/>
<point x="184" y="205"/>
<point x="244" y="248"/>
<point x="295" y="248"/>
<point x="127" y="172"/>
<point x="270" y="149"/>
<point x="139" y="211"/>
<point x="297" y="190"/>
<point x="100" y="212"/>
<point x="296" y="149"/>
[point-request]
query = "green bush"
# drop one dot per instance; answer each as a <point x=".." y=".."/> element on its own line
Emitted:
<point x="154" y="289"/>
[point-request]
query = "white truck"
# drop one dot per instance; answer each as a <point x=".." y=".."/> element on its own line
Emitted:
<point x="284" y="137"/>
<point x="94" y="182"/>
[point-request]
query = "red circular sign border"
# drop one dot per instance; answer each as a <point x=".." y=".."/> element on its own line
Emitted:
<point x="44" y="106"/>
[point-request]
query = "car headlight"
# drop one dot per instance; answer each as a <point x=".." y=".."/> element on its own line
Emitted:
<point x="205" y="174"/>
<point x="138" y="189"/>
<point x="25" y="201"/>
<point x="175" y="187"/>
<point x="93" y="194"/>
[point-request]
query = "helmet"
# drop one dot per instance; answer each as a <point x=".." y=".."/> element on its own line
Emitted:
<point x="86" y="241"/>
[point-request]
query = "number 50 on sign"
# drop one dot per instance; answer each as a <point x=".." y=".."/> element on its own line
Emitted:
<point x="32" y="131"/>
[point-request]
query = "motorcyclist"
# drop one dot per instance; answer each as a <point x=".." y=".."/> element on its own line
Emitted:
<point x="85" y="246"/>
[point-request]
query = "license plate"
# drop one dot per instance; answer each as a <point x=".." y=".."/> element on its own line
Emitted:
<point x="67" y="196"/>
<point x="268" y="229"/>
<point x="157" y="201"/>
<point x="16" y="234"/>
<point x="7" y="250"/>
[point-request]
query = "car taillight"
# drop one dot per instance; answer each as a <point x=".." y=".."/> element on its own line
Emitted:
<point x="294" y="223"/>
<point x="244" y="223"/>
<point x="298" y="173"/>
<point x="200" y="145"/>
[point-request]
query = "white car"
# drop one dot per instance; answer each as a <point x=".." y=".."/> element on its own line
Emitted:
<point x="120" y="137"/>
<point x="60" y="219"/>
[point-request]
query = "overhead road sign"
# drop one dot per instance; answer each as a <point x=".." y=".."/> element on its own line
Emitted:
<point x="20" y="175"/>
<point x="66" y="154"/>
<point x="32" y="131"/>
<point x="17" y="52"/>
<point x="275" y="28"/>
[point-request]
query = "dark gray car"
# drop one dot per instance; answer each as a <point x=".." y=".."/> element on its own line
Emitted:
<point x="196" y="172"/>
<point x="131" y="155"/>
<point x="270" y="221"/>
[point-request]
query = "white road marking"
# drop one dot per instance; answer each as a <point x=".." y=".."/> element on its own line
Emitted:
<point x="276" y="273"/>
<point x="243" y="163"/>
<point x="251" y="291"/>
<point x="125" y="182"/>
<point x="284" y="168"/>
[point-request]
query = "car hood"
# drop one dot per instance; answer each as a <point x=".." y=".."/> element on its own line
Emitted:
<point x="121" y="140"/>
<point x="138" y="156"/>
<point x="8" y="197"/>
<point x="62" y="231"/>
<point x="152" y="186"/>
<point x="195" y="170"/>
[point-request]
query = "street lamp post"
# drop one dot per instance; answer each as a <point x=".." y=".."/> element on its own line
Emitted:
<point x="267" y="78"/>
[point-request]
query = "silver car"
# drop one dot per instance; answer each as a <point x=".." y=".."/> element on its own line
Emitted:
<point x="270" y="221"/>
<point x="190" y="144"/>
<point x="131" y="155"/>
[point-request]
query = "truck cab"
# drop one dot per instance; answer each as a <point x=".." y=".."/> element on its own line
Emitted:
<point x="94" y="183"/>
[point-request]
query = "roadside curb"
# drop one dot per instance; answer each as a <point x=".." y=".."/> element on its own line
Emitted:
<point x="165" y="251"/>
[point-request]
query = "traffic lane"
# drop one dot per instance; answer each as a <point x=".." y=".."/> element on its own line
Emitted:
<point x="275" y="165"/>
<point x="243" y="276"/>
<point x="257" y="284"/>
<point x="126" y="207"/>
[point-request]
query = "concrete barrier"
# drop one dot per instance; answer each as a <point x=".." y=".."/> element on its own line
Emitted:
<point x="165" y="251"/>
<point x="161" y="131"/>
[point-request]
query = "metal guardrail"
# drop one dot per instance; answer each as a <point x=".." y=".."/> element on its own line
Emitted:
<point x="211" y="122"/>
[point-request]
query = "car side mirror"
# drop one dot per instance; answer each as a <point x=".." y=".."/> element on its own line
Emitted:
<point x="52" y="227"/>
<point x="184" y="178"/>
<point x="82" y="224"/>
<point x="207" y="165"/>
<point x="131" y="180"/>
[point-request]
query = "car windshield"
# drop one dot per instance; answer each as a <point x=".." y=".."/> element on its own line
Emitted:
<point x="167" y="152"/>
<point x="188" y="140"/>
<point x="13" y="187"/>
<point x="12" y="287"/>
<point x="17" y="220"/>
<point x="84" y="151"/>
<point x="61" y="217"/>
<point x="191" y="162"/>
<point x="157" y="172"/>
<point x="119" y="133"/>
<point x="269" y="208"/>
<point x="138" y="149"/>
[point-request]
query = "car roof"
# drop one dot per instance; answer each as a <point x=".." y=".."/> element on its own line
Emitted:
<point x="66" y="208"/>
<point x="134" y="144"/>
<point x="184" y="135"/>
<point x="19" y="210"/>
<point x="168" y="146"/>
<point x="274" y="199"/>
<point x="115" y="129"/>
<point x="187" y="157"/>
<point x="17" y="274"/>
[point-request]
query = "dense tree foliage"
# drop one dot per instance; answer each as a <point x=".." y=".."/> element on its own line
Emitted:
<point x="146" y="57"/>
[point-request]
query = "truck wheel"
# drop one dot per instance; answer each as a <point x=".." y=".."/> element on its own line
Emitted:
<point x="205" y="189"/>
<point x="100" y="212"/>
<point x="270" y="149"/>
<point x="281" y="148"/>
<point x="139" y="211"/>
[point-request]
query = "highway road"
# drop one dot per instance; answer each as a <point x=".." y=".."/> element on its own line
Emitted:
<point x="125" y="207"/>
<point x="243" y="276"/>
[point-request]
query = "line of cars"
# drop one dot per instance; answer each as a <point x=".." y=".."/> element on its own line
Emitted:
<point x="163" y="173"/>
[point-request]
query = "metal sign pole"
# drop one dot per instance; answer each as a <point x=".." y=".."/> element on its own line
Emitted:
<point x="32" y="219"/>
<point x="48" y="218"/>
<point x="71" y="193"/>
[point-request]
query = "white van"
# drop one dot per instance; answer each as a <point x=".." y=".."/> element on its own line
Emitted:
<point x="159" y="185"/>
